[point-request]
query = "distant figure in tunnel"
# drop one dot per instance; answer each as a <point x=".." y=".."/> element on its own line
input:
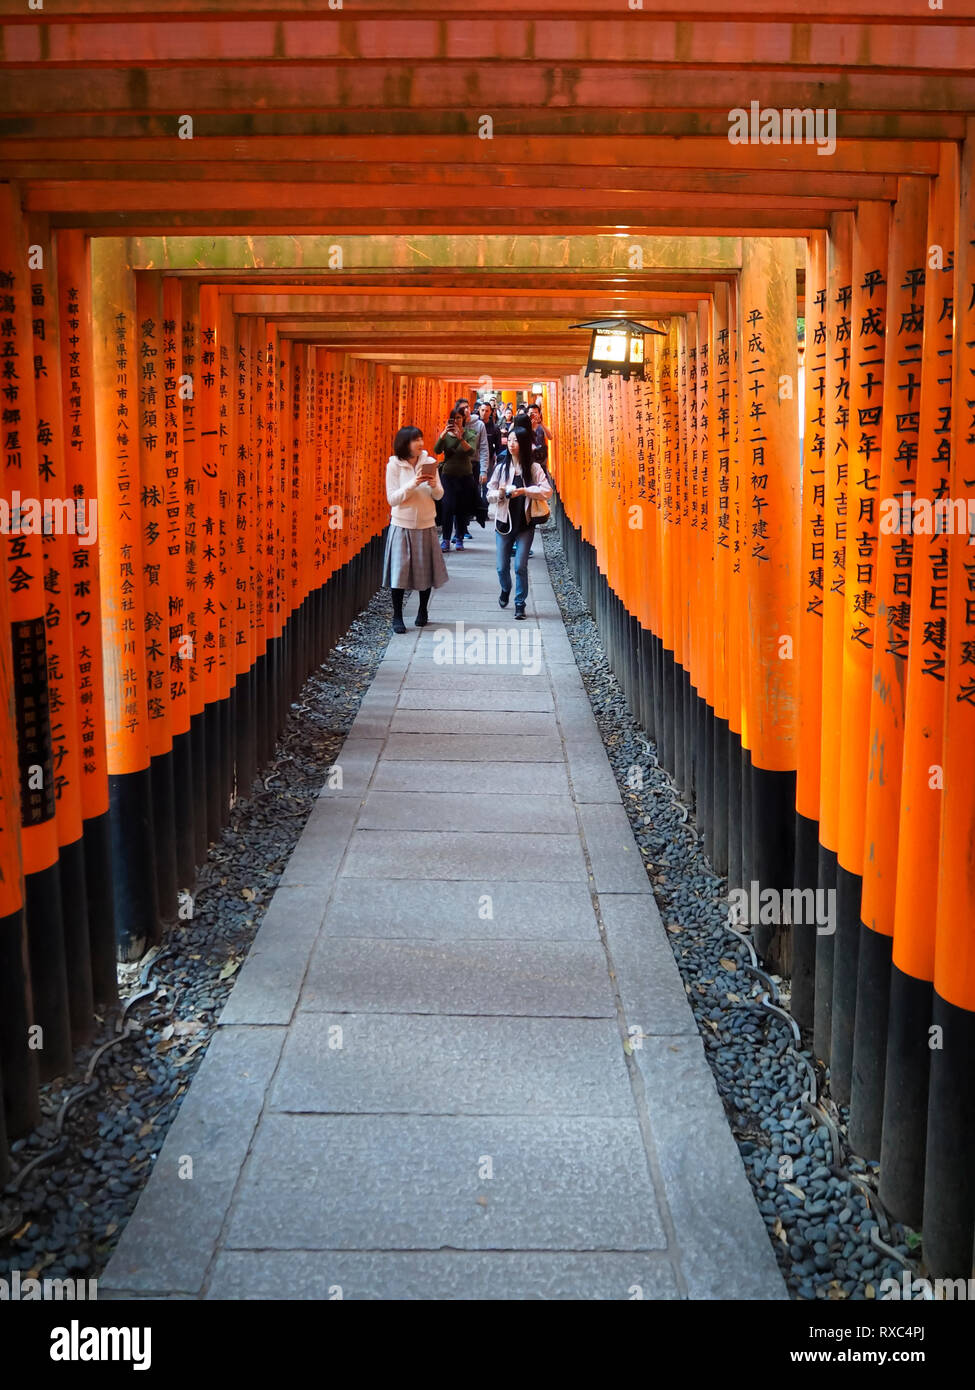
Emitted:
<point x="514" y="483"/>
<point x="412" y="559"/>
<point x="461" y="448"/>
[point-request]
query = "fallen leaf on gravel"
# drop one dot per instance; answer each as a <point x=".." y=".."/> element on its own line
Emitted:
<point x="189" y="1053"/>
<point x="796" y="1191"/>
<point x="248" y="894"/>
<point x="23" y="1230"/>
<point x="111" y="1228"/>
<point x="729" y="965"/>
<point x="167" y="1032"/>
<point x="187" y="1025"/>
<point x="735" y="998"/>
<point x="229" y="969"/>
<point x="146" y="1129"/>
<point x="870" y="1291"/>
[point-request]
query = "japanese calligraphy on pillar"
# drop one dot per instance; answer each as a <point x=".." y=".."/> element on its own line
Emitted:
<point x="756" y="409"/>
<point x="77" y="409"/>
<point x="192" y="536"/>
<point x="723" y="441"/>
<point x="865" y="434"/>
<point x="153" y="500"/>
<point x="63" y="520"/>
<point x="173" y="508"/>
<point x="814" y="451"/>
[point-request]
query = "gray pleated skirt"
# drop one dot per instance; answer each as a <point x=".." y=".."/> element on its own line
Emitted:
<point x="413" y="559"/>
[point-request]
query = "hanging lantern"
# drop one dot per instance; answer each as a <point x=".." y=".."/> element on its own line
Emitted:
<point x="617" y="347"/>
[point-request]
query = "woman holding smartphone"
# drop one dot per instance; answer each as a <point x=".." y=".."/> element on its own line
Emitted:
<point x="514" y="483"/>
<point x="412" y="559"/>
<point x="459" y="446"/>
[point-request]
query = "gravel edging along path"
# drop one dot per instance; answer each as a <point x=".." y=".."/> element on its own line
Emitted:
<point x="808" y="1186"/>
<point x="62" y="1216"/>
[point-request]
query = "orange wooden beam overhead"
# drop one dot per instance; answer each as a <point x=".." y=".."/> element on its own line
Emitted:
<point x="465" y="90"/>
<point x="224" y="159"/>
<point x="460" y="305"/>
<point x="681" y="222"/>
<point x="647" y="151"/>
<point x="890" y="11"/>
<point x="489" y="205"/>
<point x="643" y="116"/>
<point x="621" y="37"/>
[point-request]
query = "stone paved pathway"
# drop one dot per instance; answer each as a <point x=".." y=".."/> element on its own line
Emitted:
<point x="419" y="1088"/>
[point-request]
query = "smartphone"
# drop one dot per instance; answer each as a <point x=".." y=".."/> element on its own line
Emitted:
<point x="428" y="468"/>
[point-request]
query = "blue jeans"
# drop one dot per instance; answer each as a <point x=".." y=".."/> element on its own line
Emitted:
<point x="521" y="544"/>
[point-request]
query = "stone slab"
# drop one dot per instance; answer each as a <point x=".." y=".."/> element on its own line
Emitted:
<point x="724" y="1247"/>
<point x="490" y="778"/>
<point x="442" y="1275"/>
<point x="435" y="810"/>
<point x="614" y="855"/>
<point x="472" y="747"/>
<point x="170" y="1239"/>
<point x="478" y="678"/>
<point x="357" y="760"/>
<point x="443" y="854"/>
<point x="647" y="978"/>
<point x="432" y="698"/>
<point x="461" y="910"/>
<point x="443" y="1065"/>
<point x="313" y="1182"/>
<point x="593" y="780"/>
<point x="318" y="853"/>
<point x="267" y="985"/>
<point x="489" y="723"/>
<point x="547" y="979"/>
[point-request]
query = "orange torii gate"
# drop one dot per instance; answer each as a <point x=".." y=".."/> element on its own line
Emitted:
<point x="241" y="248"/>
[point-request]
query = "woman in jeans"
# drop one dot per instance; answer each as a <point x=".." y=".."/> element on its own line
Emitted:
<point x="513" y="483"/>
<point x="412" y="559"/>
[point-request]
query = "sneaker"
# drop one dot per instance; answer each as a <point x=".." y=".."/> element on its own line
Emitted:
<point x="503" y="599"/>
<point x="519" y="610"/>
<point x="399" y="625"/>
<point x="468" y="536"/>
<point x="445" y="546"/>
<point x="458" y="545"/>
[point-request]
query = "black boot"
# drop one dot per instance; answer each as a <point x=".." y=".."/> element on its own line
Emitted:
<point x="398" y="624"/>
<point x="421" y="617"/>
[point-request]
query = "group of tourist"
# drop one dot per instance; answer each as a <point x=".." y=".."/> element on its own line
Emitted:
<point x="491" y="460"/>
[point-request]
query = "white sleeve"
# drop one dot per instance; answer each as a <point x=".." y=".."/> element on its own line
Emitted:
<point x="395" y="494"/>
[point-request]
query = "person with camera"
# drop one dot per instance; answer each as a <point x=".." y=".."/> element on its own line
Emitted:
<point x="541" y="435"/>
<point x="459" y="446"/>
<point x="412" y="559"/>
<point x="517" y="486"/>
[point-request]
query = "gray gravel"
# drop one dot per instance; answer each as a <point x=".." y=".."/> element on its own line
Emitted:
<point x="819" y="1224"/>
<point x="67" y="1216"/>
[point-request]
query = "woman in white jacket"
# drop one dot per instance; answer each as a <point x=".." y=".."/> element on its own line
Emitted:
<point x="413" y="559"/>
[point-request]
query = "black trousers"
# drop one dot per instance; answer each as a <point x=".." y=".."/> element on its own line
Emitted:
<point x="459" y="505"/>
